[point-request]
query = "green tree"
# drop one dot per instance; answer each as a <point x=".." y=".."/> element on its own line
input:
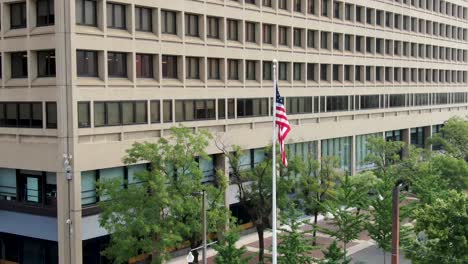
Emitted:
<point x="140" y="216"/>
<point x="295" y="244"/>
<point x="347" y="223"/>
<point x="382" y="154"/>
<point x="445" y="227"/>
<point x="334" y="255"/>
<point x="453" y="137"/>
<point x="255" y="190"/>
<point x="453" y="170"/>
<point x="228" y="253"/>
<point x="316" y="183"/>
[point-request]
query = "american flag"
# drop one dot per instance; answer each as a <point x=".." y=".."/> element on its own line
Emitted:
<point x="283" y="125"/>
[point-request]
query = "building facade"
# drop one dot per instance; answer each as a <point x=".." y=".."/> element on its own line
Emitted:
<point x="81" y="80"/>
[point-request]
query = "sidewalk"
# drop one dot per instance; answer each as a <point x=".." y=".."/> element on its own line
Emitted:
<point x="250" y="241"/>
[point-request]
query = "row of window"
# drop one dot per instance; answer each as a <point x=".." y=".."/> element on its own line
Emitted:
<point x="28" y="114"/>
<point x="87" y="65"/>
<point x="44" y="12"/>
<point x="214" y="27"/>
<point x="114" y="113"/>
<point x="312" y="6"/>
<point x="18" y="64"/>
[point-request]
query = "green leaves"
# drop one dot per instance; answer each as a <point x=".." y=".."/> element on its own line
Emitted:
<point x="159" y="212"/>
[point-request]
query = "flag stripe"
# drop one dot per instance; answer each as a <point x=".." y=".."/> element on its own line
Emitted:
<point x="283" y="125"/>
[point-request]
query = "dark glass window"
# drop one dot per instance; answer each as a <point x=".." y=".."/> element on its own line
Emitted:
<point x="169" y="67"/>
<point x="116" y="17"/>
<point x="324" y="72"/>
<point x="337" y="103"/>
<point x="46" y="63"/>
<point x="119" y="113"/>
<point x="143" y="19"/>
<point x="311" y="72"/>
<point x="283" y="71"/>
<point x="29" y="114"/>
<point x="283" y="36"/>
<point x="86" y="12"/>
<point x="250" y="70"/>
<point x="299" y="105"/>
<point x="51" y="115"/>
<point x="19" y="65"/>
<point x="325" y="8"/>
<point x="267" y="34"/>
<point x="84" y="114"/>
<point x="18" y="15"/>
<point x="232" y="29"/>
<point x="213" y="68"/>
<point x="252" y="107"/>
<point x="169" y="22"/>
<point x="191" y="110"/>
<point x="167" y="111"/>
<point x="221" y="108"/>
<point x="87" y="63"/>
<point x="369" y="101"/>
<point x="155" y="111"/>
<point x="192" y="69"/>
<point x="212" y="27"/>
<point x="250" y="34"/>
<point x="45" y="13"/>
<point x="297" y="38"/>
<point x="233" y="69"/>
<point x="191" y="25"/>
<point x="117" y="64"/>
<point x="267" y="70"/>
<point x="144" y="65"/>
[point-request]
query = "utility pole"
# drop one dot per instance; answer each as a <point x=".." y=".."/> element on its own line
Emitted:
<point x="396" y="224"/>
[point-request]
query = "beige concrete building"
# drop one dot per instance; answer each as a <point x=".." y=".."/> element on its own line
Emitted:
<point x="81" y="80"/>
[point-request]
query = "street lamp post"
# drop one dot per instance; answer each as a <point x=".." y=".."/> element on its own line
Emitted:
<point x="204" y="229"/>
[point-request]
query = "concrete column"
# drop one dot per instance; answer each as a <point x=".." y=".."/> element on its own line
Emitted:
<point x="406" y="137"/>
<point x="68" y="182"/>
<point x="427" y="135"/>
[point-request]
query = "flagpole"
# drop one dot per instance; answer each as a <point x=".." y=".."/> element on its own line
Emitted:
<point x="273" y="194"/>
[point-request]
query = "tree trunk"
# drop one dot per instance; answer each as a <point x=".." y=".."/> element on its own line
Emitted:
<point x="344" y="249"/>
<point x="314" y="235"/>
<point x="261" y="243"/>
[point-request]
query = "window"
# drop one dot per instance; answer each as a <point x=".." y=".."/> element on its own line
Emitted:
<point x="45" y="13"/>
<point x="192" y="110"/>
<point x="283" y="4"/>
<point x="267" y="34"/>
<point x="299" y="105"/>
<point x="297" y="71"/>
<point x="348" y="12"/>
<point x="119" y="113"/>
<point x="250" y="32"/>
<point x="311" y="72"/>
<point x="347" y="42"/>
<point x="191" y="25"/>
<point x="336" y="10"/>
<point x="359" y="43"/>
<point x="51" y="115"/>
<point x="311" y="7"/>
<point x="192" y="70"/>
<point x="46" y="63"/>
<point x="283" y="71"/>
<point x="212" y="27"/>
<point x="340" y="148"/>
<point x="88" y="187"/>
<point x="26" y="114"/>
<point x="252" y="107"/>
<point x="117" y="64"/>
<point x="311" y="41"/>
<point x="83" y="115"/>
<point x="116" y="17"/>
<point x="214" y="68"/>
<point x="8" y="185"/>
<point x="19" y="65"/>
<point x="168" y="22"/>
<point x="143" y="19"/>
<point x="232" y="28"/>
<point x="250" y="70"/>
<point x="144" y="65"/>
<point x="18" y="15"/>
<point x="397" y="100"/>
<point x="233" y="69"/>
<point x="325" y="8"/>
<point x="155" y="111"/>
<point x="336" y="72"/>
<point x="86" y="12"/>
<point x="357" y="73"/>
<point x="298" y="5"/>
<point x="337" y="103"/>
<point x="347" y="73"/>
<point x="169" y="67"/>
<point x="336" y="41"/>
<point x="359" y="14"/>
<point x="267" y="70"/>
<point x="267" y="3"/>
<point x="87" y="63"/>
<point x="324" y="39"/>
<point x="368" y="101"/>
<point x="298" y="37"/>
<point x="324" y="72"/>
<point x="283" y="36"/>
<point x="167" y="111"/>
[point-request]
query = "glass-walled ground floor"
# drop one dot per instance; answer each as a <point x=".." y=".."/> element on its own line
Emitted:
<point x="26" y="250"/>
